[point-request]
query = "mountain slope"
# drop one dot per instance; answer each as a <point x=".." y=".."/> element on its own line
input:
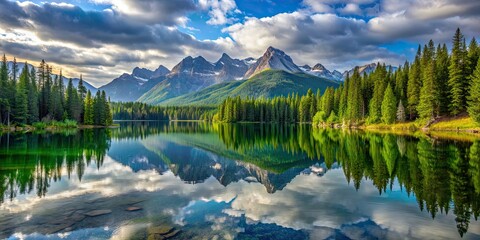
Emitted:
<point x="273" y="59"/>
<point x="192" y="75"/>
<point x="212" y="95"/>
<point x="320" y="71"/>
<point x="267" y="84"/>
<point x="129" y="87"/>
<point x="271" y="83"/>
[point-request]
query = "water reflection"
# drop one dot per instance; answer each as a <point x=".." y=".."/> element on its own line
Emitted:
<point x="30" y="162"/>
<point x="286" y="161"/>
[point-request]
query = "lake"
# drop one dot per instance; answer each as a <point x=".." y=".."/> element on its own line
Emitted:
<point x="190" y="180"/>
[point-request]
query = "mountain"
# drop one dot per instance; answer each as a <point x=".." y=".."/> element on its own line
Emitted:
<point x="203" y="82"/>
<point x="320" y="71"/>
<point x="268" y="84"/>
<point x="75" y="81"/>
<point x="194" y="74"/>
<point x="368" y="68"/>
<point x="228" y="68"/>
<point x="160" y="72"/>
<point x="129" y="87"/>
<point x="273" y="59"/>
<point x="142" y="73"/>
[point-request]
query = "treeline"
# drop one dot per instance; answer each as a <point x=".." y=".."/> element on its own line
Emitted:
<point x="290" y="109"/>
<point x="142" y="111"/>
<point x="38" y="95"/>
<point x="437" y="83"/>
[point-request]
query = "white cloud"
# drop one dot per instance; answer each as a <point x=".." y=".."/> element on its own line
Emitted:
<point x="220" y="11"/>
<point x="352" y="9"/>
<point x="146" y="33"/>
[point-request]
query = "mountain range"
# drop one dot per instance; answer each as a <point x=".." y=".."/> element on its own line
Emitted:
<point x="129" y="87"/>
<point x="196" y="81"/>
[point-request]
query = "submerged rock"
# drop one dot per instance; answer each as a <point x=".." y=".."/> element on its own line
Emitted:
<point x="133" y="209"/>
<point x="96" y="213"/>
<point x="162" y="232"/>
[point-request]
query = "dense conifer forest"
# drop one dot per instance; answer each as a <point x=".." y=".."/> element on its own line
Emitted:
<point x="39" y="97"/>
<point x="142" y="111"/>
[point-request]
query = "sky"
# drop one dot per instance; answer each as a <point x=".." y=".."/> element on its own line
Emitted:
<point x="102" y="39"/>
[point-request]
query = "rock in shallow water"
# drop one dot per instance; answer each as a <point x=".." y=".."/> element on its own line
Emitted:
<point x="132" y="209"/>
<point x="96" y="213"/>
<point x="160" y="230"/>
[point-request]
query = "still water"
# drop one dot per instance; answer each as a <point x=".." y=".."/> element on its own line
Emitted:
<point x="224" y="181"/>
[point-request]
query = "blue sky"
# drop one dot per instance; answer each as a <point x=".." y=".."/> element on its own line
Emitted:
<point x="104" y="38"/>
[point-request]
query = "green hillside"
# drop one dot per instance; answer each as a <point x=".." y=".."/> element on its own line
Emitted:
<point x="267" y="84"/>
<point x="212" y="95"/>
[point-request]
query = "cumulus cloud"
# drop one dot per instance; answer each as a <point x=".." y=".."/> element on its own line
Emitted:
<point x="326" y="32"/>
<point x="127" y="33"/>
<point x="337" y="42"/>
<point x="220" y="11"/>
<point x="152" y="12"/>
<point x="343" y="7"/>
<point x="101" y="44"/>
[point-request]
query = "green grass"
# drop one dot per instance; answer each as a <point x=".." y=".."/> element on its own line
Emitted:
<point x="411" y="126"/>
<point x="463" y="123"/>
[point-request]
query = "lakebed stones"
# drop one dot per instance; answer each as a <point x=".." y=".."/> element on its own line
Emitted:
<point x="162" y="232"/>
<point x="133" y="209"/>
<point x="96" y="213"/>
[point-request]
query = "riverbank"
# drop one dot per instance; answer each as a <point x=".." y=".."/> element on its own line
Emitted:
<point x="453" y="124"/>
<point x="455" y="128"/>
<point x="52" y="126"/>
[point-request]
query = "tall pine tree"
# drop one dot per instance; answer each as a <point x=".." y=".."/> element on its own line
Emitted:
<point x="389" y="106"/>
<point x="414" y="85"/>
<point x="457" y="81"/>
<point x="474" y="97"/>
<point x="20" y="110"/>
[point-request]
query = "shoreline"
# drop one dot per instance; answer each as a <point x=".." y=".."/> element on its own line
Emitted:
<point x="30" y="128"/>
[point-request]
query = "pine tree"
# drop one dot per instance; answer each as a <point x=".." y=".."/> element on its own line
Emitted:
<point x="441" y="97"/>
<point x="401" y="114"/>
<point x="354" y="103"/>
<point x="457" y="80"/>
<point x="414" y="85"/>
<point x="305" y="107"/>
<point x="426" y="107"/>
<point x="473" y="55"/>
<point x="32" y="98"/>
<point x="389" y="106"/>
<point x="4" y="101"/>
<point x="73" y="105"/>
<point x="55" y="106"/>
<point x="109" y="120"/>
<point x="82" y="92"/>
<point x="401" y="81"/>
<point x="474" y="97"/>
<point x="379" y="77"/>
<point x="14" y="69"/>
<point x="20" y="110"/>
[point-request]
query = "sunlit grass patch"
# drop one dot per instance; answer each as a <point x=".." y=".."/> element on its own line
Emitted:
<point x="464" y="123"/>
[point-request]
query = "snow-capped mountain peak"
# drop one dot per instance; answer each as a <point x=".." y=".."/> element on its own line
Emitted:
<point x="273" y="59"/>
